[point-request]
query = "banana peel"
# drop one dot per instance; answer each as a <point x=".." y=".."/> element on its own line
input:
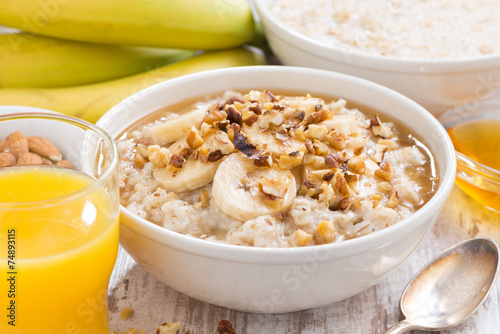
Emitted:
<point x="90" y="102"/>
<point x="180" y="24"/>
<point x="34" y="61"/>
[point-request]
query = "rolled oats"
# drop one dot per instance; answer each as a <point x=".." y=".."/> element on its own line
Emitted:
<point x="354" y="174"/>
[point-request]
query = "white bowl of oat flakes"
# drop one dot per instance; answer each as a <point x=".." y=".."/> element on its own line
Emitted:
<point x="438" y="53"/>
<point x="241" y="190"/>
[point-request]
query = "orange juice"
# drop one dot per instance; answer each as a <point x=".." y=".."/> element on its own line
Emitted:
<point x="57" y="251"/>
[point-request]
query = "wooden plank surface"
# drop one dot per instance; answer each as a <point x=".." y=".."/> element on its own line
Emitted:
<point x="371" y="311"/>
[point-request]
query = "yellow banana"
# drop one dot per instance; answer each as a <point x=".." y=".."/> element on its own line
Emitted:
<point x="33" y="61"/>
<point x="183" y="24"/>
<point x="90" y="102"/>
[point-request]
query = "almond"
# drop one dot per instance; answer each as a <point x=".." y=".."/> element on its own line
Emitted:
<point x="46" y="161"/>
<point x="64" y="163"/>
<point x="30" y="159"/>
<point x="44" y="148"/>
<point x="16" y="144"/>
<point x="7" y="159"/>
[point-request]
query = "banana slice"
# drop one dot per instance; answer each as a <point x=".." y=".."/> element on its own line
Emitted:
<point x="244" y="191"/>
<point x="177" y="128"/>
<point x="193" y="174"/>
<point x="267" y="140"/>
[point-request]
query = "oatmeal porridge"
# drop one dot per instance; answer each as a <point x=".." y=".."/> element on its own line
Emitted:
<point x="266" y="170"/>
<point x="408" y="29"/>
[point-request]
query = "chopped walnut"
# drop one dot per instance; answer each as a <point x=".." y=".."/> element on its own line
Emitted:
<point x="271" y="119"/>
<point x="326" y="231"/>
<point x="393" y="200"/>
<point x="225" y="327"/>
<point x="326" y="194"/>
<point x="233" y="115"/>
<point x="272" y="188"/>
<point x="379" y="128"/>
<point x="298" y="133"/>
<point x="333" y="160"/>
<point x="357" y="164"/>
<point x="221" y="142"/>
<point x="176" y="160"/>
<point x="310" y="105"/>
<point x="389" y="143"/>
<point x="214" y="156"/>
<point x="143" y="150"/>
<point x="256" y="108"/>
<point x="314" y="161"/>
<point x="317" y="117"/>
<point x="194" y="138"/>
<point x="340" y="184"/>
<point x="159" y="156"/>
<point x="336" y="140"/>
<point x="295" y="114"/>
<point x="282" y="135"/>
<point x="320" y="148"/>
<point x="346" y="203"/>
<point x="249" y="117"/>
<point x="126" y="313"/>
<point x="168" y="328"/>
<point x="378" y="156"/>
<point x="263" y="160"/>
<point x="215" y="115"/>
<point x="243" y="145"/>
<point x="385" y="187"/>
<point x="207" y="130"/>
<point x="203" y="200"/>
<point x="385" y="172"/>
<point x="235" y="98"/>
<point x="301" y="238"/>
<point x="315" y="131"/>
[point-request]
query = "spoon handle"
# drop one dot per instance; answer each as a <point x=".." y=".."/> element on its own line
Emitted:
<point x="401" y="327"/>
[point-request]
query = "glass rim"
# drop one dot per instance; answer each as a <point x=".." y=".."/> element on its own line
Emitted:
<point x="96" y="182"/>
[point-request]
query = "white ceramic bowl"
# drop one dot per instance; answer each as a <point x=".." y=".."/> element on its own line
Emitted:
<point x="435" y="84"/>
<point x="279" y="280"/>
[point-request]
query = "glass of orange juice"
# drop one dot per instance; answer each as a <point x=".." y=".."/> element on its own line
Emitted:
<point x="58" y="224"/>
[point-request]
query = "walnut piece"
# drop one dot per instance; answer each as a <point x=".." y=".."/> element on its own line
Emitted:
<point x="225" y="327"/>
<point x="326" y="231"/>
<point x="126" y="313"/>
<point x="272" y="188"/>
<point x="168" y="328"/>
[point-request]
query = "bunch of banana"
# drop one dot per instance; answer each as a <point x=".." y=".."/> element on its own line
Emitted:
<point x="28" y="60"/>
<point x="193" y="24"/>
<point x="91" y="101"/>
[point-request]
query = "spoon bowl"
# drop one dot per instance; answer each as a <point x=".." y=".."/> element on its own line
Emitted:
<point x="450" y="287"/>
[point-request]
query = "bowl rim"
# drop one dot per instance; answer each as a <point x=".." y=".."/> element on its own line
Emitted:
<point x="248" y="254"/>
<point x="8" y="109"/>
<point x="370" y="61"/>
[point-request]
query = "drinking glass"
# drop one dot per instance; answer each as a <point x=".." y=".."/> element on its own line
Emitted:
<point x="58" y="226"/>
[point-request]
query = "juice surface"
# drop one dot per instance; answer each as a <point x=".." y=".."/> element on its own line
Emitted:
<point x="63" y="252"/>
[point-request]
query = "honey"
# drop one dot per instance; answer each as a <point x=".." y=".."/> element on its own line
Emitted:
<point x="479" y="140"/>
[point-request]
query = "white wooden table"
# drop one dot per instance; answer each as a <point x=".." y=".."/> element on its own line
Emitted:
<point x="371" y="311"/>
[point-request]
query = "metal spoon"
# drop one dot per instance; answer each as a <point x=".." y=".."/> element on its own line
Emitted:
<point x="449" y="288"/>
